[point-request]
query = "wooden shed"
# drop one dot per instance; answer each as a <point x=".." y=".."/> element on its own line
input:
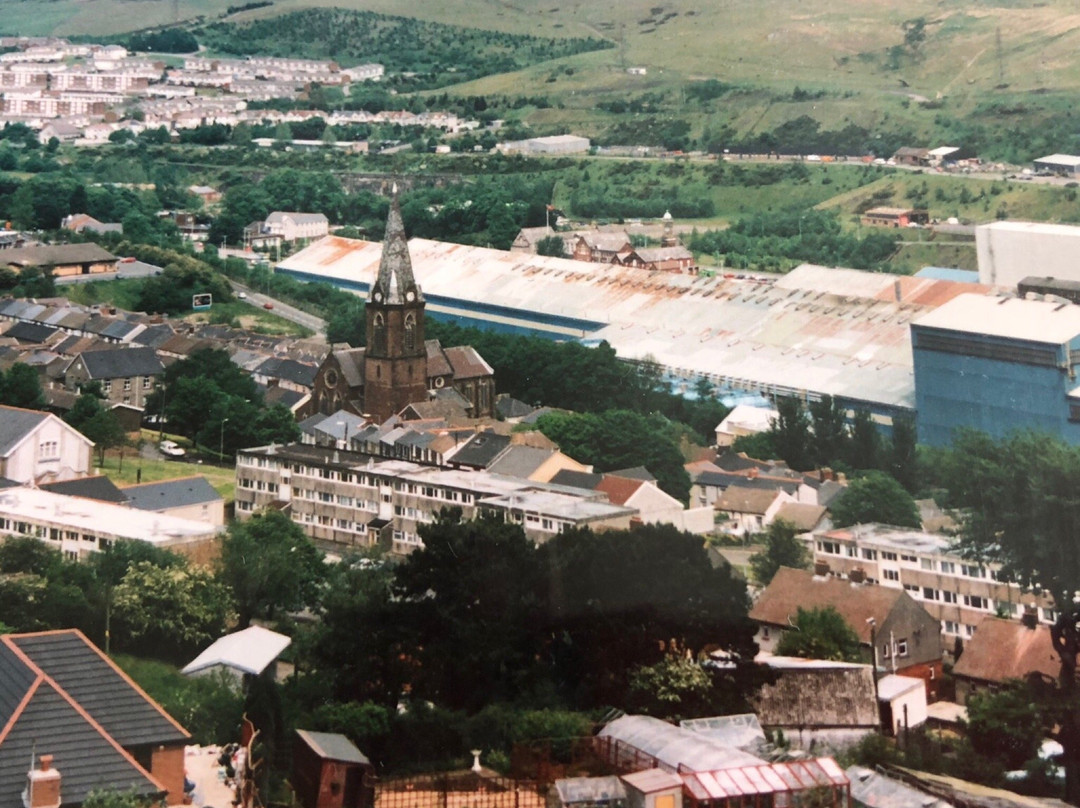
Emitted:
<point x="330" y="772"/>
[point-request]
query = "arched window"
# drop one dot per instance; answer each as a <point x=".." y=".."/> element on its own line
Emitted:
<point x="410" y="332"/>
<point x="379" y="334"/>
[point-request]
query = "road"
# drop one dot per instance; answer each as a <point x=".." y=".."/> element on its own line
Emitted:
<point x="291" y="313"/>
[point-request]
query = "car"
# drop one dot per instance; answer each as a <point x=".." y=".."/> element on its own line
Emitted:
<point x="268" y="306"/>
<point x="169" y="448"/>
<point x="241" y="295"/>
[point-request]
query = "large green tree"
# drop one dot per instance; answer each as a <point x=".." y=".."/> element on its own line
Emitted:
<point x="781" y="549"/>
<point x="790" y="433"/>
<point x="1021" y="497"/>
<point x="270" y="566"/>
<point x="820" y="634"/>
<point x="875" y="497"/>
<point x="619" y="439"/>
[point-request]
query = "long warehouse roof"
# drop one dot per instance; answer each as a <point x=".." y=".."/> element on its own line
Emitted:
<point x="841" y="332"/>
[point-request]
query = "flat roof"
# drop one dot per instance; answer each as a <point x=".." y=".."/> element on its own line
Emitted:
<point x="101" y="519"/>
<point x="1007" y="318"/>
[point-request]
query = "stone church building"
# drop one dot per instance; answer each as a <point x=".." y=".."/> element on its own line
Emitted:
<point x="399" y="367"/>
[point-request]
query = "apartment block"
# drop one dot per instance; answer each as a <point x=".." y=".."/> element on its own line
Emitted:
<point x="959" y="592"/>
<point x="354" y="500"/>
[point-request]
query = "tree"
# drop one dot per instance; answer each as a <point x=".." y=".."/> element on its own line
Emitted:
<point x="820" y="634"/>
<point x="616" y="600"/>
<point x="21" y="387"/>
<point x="1008" y="724"/>
<point x="170" y="610"/>
<point x="619" y="439"/>
<point x="551" y="245"/>
<point x="865" y="442"/>
<point x="903" y="459"/>
<point x="875" y="497"/>
<point x="269" y="565"/>
<point x="790" y="433"/>
<point x="782" y="549"/>
<point x="829" y="422"/>
<point x="470" y="602"/>
<point x="1022" y="501"/>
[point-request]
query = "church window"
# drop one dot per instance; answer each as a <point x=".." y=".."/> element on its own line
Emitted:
<point x="379" y="335"/>
<point x="410" y="332"/>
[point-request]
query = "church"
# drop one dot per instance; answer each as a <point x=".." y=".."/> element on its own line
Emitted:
<point x="399" y="367"/>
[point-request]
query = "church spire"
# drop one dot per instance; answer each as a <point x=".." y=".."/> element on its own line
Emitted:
<point x="395" y="283"/>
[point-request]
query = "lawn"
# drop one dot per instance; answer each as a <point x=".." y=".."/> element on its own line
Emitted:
<point x="129" y="467"/>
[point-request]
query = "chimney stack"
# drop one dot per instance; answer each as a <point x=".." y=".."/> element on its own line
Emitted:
<point x="821" y="568"/>
<point x="42" y="786"/>
<point x="857" y="575"/>
<point x="1030" y="618"/>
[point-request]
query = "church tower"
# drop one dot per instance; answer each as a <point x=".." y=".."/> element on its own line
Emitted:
<point x="395" y="361"/>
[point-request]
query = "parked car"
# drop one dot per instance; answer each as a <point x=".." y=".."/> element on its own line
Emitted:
<point x="169" y="448"/>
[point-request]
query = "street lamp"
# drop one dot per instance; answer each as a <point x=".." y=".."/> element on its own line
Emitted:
<point x="221" y="440"/>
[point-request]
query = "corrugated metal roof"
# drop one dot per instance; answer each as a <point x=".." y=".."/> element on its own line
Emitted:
<point x="840" y="332"/>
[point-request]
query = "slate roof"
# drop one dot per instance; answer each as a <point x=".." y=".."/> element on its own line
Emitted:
<point x="288" y="369"/>
<point x="481" y="449"/>
<point x="61" y="696"/>
<point x="520" y="461"/>
<point x="118" y="363"/>
<point x="1007" y="649"/>
<point x="508" y="407"/>
<point x="792" y="589"/>
<point x="101" y="688"/>
<point x="30" y="332"/>
<point x="167" y="494"/>
<point x="331" y="746"/>
<point x="100" y="488"/>
<point x="577" y="479"/>
<point x="15" y="424"/>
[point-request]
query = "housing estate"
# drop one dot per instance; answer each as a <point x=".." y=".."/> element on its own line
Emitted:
<point x="75" y="723"/>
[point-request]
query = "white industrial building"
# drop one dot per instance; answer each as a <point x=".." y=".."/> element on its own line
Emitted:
<point x="814" y="331"/>
<point x="1008" y="252"/>
<point x="555" y="144"/>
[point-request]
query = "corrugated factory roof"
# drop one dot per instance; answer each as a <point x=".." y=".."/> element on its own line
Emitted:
<point x="841" y="332"/>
